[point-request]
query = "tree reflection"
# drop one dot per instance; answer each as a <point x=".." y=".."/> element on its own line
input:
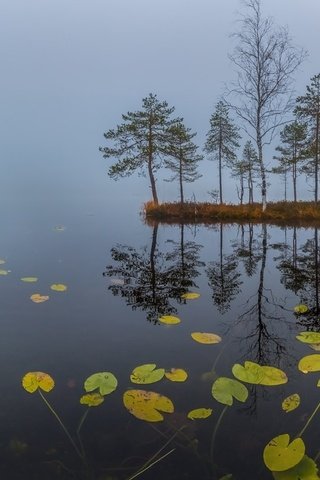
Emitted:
<point x="224" y="278"/>
<point x="149" y="279"/>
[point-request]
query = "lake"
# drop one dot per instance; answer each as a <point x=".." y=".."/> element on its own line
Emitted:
<point x="121" y="278"/>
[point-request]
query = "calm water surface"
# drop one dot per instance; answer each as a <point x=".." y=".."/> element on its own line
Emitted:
<point x="121" y="278"/>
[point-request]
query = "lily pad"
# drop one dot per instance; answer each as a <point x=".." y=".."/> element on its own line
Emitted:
<point x="224" y="390"/>
<point x="199" y="413"/>
<point x="37" y="298"/>
<point x="300" y="309"/>
<point x="305" y="470"/>
<point x="169" y="320"/>
<point x="291" y="403"/>
<point x="92" y="399"/>
<point x="29" y="279"/>
<point x="259" y="375"/>
<point x="4" y="272"/>
<point x="58" y="287"/>
<point x="147" y="373"/>
<point x="309" y="337"/>
<point x="34" y="380"/>
<point x="105" y="382"/>
<point x="59" y="228"/>
<point x="207" y="338"/>
<point x="280" y="455"/>
<point x="310" y="363"/>
<point x="147" y="405"/>
<point x="177" y="375"/>
<point x="190" y="295"/>
<point x="2" y="261"/>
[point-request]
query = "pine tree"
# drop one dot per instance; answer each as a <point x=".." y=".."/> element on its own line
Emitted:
<point x="308" y="107"/>
<point x="251" y="162"/>
<point x="183" y="158"/>
<point x="293" y="150"/>
<point x="222" y="140"/>
<point x="141" y="141"/>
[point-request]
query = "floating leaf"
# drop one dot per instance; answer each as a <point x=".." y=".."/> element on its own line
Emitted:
<point x="318" y="383"/>
<point x="105" y="382"/>
<point x="310" y="363"/>
<point x="291" y="403"/>
<point x="59" y="228"/>
<point x="58" y="287"/>
<point x="259" y="375"/>
<point x="305" y="470"/>
<point x="37" y="298"/>
<point x="177" y="375"/>
<point x="147" y="405"/>
<point x="226" y="477"/>
<point x="309" y="337"/>
<point x="314" y="346"/>
<point x="29" y="279"/>
<point x="300" y="309"/>
<point x="2" y="261"/>
<point x="225" y="389"/>
<point x="280" y="455"/>
<point x="206" y="338"/>
<point x="34" y="380"/>
<point x="4" y="272"/>
<point x="147" y="373"/>
<point x="199" y="413"/>
<point x="92" y="399"/>
<point x="169" y="319"/>
<point x="190" y="295"/>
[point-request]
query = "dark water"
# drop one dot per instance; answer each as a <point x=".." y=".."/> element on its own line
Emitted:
<point x="121" y="278"/>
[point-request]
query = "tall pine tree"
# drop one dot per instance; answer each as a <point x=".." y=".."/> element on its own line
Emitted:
<point x="222" y="140"/>
<point x="182" y="157"/>
<point x="141" y="141"/>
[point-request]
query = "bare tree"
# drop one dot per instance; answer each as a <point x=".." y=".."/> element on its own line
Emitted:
<point x="265" y="60"/>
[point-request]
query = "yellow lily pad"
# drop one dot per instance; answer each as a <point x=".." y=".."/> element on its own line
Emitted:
<point x="29" y="279"/>
<point x="4" y="272"/>
<point x="34" y="380"/>
<point x="177" y="375"/>
<point x="280" y="455"/>
<point x="190" y="295"/>
<point x="147" y="373"/>
<point x="304" y="470"/>
<point x="314" y="346"/>
<point x="169" y="320"/>
<point x="92" y="399"/>
<point x="309" y="337"/>
<point x="309" y="363"/>
<point x="199" y="413"/>
<point x="37" y="298"/>
<point x="207" y="338"/>
<point x="147" y="405"/>
<point x="300" y="309"/>
<point x="58" y="287"/>
<point x="291" y="403"/>
<point x="259" y="375"/>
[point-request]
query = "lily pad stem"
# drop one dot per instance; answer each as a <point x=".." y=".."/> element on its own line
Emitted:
<point x="308" y="421"/>
<point x="61" y="423"/>
<point x="214" y="433"/>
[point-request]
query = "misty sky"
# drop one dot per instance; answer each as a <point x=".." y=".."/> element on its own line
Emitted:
<point x="70" y="68"/>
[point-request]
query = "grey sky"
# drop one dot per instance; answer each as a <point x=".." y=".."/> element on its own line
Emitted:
<point x="70" y="68"/>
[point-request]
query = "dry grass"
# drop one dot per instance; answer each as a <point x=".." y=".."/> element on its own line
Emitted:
<point x="299" y="213"/>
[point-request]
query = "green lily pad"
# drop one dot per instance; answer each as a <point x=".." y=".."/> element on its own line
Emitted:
<point x="305" y="470"/>
<point x="29" y="279"/>
<point x="291" y="403"/>
<point x="105" y="382"/>
<point x="280" y="455"/>
<point x="309" y="337"/>
<point x="147" y="374"/>
<point x="259" y="375"/>
<point x="4" y="272"/>
<point x="198" y="413"/>
<point x="309" y="363"/>
<point x="225" y="389"/>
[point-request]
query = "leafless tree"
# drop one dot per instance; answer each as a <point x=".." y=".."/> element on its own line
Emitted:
<point x="265" y="60"/>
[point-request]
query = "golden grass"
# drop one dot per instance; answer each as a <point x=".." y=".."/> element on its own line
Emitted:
<point x="301" y="213"/>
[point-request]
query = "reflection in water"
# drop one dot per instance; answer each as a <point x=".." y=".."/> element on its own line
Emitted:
<point x="151" y="278"/>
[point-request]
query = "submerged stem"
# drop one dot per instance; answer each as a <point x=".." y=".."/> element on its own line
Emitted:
<point x="61" y="424"/>
<point x="214" y="433"/>
<point x="308" y="421"/>
<point x="149" y="465"/>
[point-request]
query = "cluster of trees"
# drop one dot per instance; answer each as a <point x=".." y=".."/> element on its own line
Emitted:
<point x="261" y="97"/>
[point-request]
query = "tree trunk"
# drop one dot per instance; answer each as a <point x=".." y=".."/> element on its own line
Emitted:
<point x="150" y="164"/>
<point x="316" y="167"/>
<point x="262" y="171"/>
<point x="180" y="179"/>
<point x="220" y="165"/>
<point x="294" y="173"/>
